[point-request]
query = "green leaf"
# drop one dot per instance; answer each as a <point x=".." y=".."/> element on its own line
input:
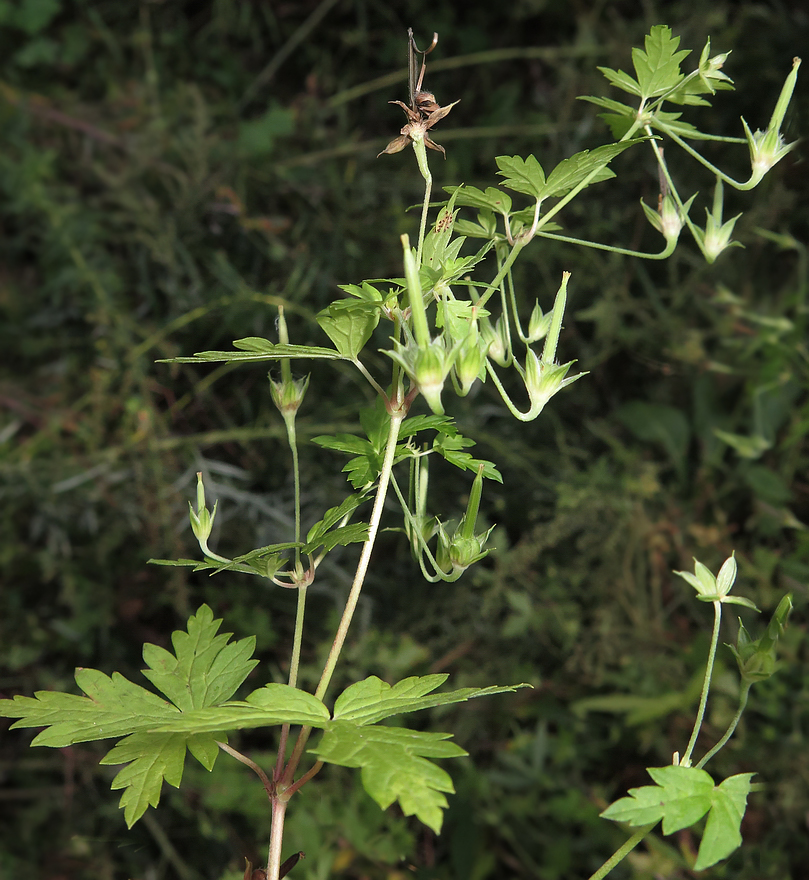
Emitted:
<point x="349" y="443"/>
<point x="257" y="136"/>
<point x="255" y="350"/>
<point x="351" y="534"/>
<point x="331" y="518"/>
<point x="375" y="421"/>
<point x="365" y="291"/>
<point x="621" y="80"/>
<point x="722" y="832"/>
<point x="620" y="120"/>
<point x="484" y="227"/>
<point x="202" y="674"/>
<point x="451" y="448"/>
<point x="206" y="669"/>
<point x="569" y="173"/>
<point x="372" y="699"/>
<point x="527" y="176"/>
<point x="272" y="704"/>
<point x="443" y="424"/>
<point x="522" y="175"/>
<point x="394" y="765"/>
<point x="349" y="324"/>
<point x="364" y="468"/>
<point x="659" y="423"/>
<point x="181" y="563"/>
<point x="34" y="16"/>
<point x="751" y="447"/>
<point x="151" y="759"/>
<point x="682" y="796"/>
<point x="658" y="68"/>
<point x="492" y="198"/>
<point x="393" y="760"/>
<point x="616" y="106"/>
<point x="113" y="707"/>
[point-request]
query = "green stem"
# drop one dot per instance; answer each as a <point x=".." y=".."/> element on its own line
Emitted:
<point x="439" y="574"/>
<point x="396" y="419"/>
<point x="692" y="227"/>
<point x="512" y="408"/>
<point x="706" y="685"/>
<point x="502" y="272"/>
<point x="424" y="167"/>
<point x="620" y="854"/>
<point x="374" y="384"/>
<point x="292" y="437"/>
<point x="663" y="255"/>
<point x="732" y="727"/>
<point x="748" y="184"/>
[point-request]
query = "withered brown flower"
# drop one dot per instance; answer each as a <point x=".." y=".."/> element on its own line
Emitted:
<point x="418" y="124"/>
<point x="424" y="111"/>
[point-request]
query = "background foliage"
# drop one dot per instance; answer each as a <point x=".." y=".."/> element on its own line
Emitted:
<point x="169" y="172"/>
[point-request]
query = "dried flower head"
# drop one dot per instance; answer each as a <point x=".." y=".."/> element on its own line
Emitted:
<point x="423" y="111"/>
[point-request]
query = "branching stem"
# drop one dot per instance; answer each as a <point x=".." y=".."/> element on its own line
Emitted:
<point x="396" y="419"/>
<point x="731" y="727"/>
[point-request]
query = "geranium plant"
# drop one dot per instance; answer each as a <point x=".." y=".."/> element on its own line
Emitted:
<point x="452" y="319"/>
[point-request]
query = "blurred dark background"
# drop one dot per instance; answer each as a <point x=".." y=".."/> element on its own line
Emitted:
<point x="172" y="171"/>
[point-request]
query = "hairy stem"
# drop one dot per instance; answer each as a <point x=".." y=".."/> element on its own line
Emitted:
<point x="279" y="809"/>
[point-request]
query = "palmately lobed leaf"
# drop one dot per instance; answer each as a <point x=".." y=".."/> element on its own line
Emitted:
<point x="682" y="796"/>
<point x="204" y="672"/>
<point x="394" y="765"/>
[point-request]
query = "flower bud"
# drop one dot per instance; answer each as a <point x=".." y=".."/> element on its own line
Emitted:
<point x="470" y="362"/>
<point x="543" y="380"/>
<point x="202" y="519"/>
<point x="538" y="324"/>
<point x="756" y="659"/>
<point x="715" y="238"/>
<point x="496" y="341"/>
<point x="669" y="219"/>
<point x="464" y="552"/>
<point x="430" y="368"/>
<point x="288" y="394"/>
<point x="768" y="147"/>
<point x="710" y="70"/>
